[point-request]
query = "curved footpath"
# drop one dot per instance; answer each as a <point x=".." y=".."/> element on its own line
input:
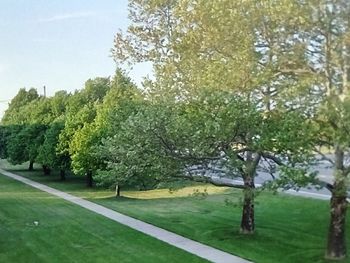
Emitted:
<point x="193" y="247"/>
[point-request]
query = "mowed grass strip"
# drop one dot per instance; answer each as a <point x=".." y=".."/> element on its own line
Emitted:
<point x="289" y="229"/>
<point x="38" y="227"/>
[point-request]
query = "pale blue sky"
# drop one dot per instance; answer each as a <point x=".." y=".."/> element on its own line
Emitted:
<point x="58" y="43"/>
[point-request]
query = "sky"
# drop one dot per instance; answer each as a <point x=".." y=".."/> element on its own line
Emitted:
<point x="58" y="43"/>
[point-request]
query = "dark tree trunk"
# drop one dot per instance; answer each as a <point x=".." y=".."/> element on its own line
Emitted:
<point x="63" y="174"/>
<point x="89" y="179"/>
<point x="247" y="222"/>
<point x="31" y="166"/>
<point x="46" y="170"/>
<point x="336" y="246"/>
<point x="117" y="190"/>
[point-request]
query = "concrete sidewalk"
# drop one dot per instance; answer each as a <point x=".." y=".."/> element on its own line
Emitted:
<point x="193" y="247"/>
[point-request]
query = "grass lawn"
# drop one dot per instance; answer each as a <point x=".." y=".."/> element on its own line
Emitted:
<point x="69" y="233"/>
<point x="289" y="229"/>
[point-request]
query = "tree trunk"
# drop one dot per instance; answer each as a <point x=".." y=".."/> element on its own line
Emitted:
<point x="336" y="246"/>
<point x="247" y="222"/>
<point x="46" y="170"/>
<point x="63" y="175"/>
<point x="31" y="166"/>
<point x="117" y="190"/>
<point x="89" y="179"/>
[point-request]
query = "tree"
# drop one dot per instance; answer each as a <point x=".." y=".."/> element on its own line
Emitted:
<point x="317" y="57"/>
<point x="58" y="104"/>
<point x="119" y="102"/>
<point x="53" y="113"/>
<point x="205" y="139"/>
<point x="24" y="142"/>
<point x="81" y="112"/>
<point x="132" y="155"/>
<point x="328" y="31"/>
<point x="201" y="55"/>
<point x="48" y="155"/>
<point x="13" y="114"/>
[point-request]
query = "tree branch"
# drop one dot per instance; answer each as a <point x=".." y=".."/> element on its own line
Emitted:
<point x="324" y="157"/>
<point x="273" y="158"/>
<point x="217" y="181"/>
<point x="327" y="185"/>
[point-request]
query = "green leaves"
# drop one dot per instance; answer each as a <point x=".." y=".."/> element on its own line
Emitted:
<point x="48" y="154"/>
<point x="24" y="142"/>
<point x="15" y="114"/>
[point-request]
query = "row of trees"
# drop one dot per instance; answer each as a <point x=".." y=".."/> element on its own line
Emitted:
<point x="238" y="86"/>
<point x="61" y="132"/>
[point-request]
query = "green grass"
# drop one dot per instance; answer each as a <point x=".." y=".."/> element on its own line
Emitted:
<point x="69" y="233"/>
<point x="289" y="229"/>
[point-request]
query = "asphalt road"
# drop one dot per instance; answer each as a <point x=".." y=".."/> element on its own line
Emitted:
<point x="324" y="172"/>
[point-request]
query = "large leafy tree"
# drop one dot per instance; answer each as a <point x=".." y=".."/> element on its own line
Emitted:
<point x="212" y="50"/>
<point x="24" y="142"/>
<point x="80" y="113"/>
<point x="322" y="38"/>
<point x="311" y="52"/>
<point x="302" y="63"/>
<point x="119" y="102"/>
<point x="25" y="126"/>
<point x="54" y="112"/>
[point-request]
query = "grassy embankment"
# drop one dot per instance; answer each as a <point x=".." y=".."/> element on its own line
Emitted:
<point x="289" y="229"/>
<point x="37" y="227"/>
